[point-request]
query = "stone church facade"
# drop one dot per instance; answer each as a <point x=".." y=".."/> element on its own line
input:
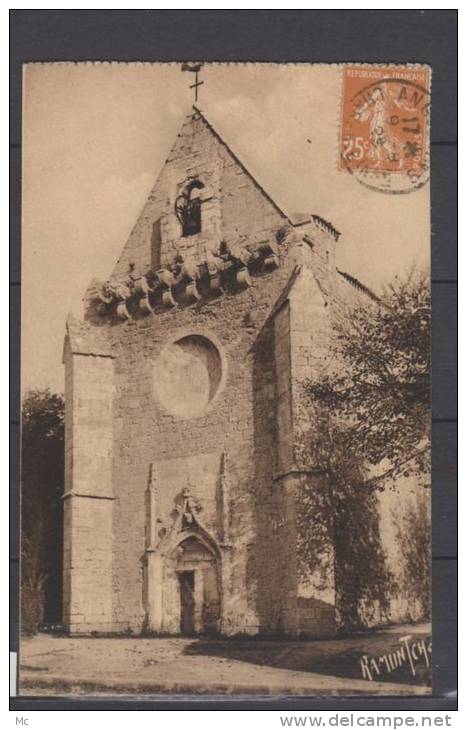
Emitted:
<point x="185" y="425"/>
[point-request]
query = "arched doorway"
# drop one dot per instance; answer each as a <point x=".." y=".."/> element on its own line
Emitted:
<point x="196" y="567"/>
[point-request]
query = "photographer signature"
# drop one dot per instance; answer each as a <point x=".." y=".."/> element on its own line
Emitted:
<point x="411" y="652"/>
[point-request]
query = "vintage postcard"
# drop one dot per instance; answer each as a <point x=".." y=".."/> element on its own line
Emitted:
<point x="226" y="379"/>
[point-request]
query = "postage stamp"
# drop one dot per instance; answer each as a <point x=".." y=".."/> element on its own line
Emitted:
<point x="385" y="126"/>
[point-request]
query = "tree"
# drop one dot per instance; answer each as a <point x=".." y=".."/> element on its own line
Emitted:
<point x="414" y="538"/>
<point x="338" y="531"/>
<point x="380" y="393"/>
<point x="371" y="424"/>
<point x="42" y="470"/>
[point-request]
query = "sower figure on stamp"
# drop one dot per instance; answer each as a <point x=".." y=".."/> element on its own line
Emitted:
<point x="383" y="142"/>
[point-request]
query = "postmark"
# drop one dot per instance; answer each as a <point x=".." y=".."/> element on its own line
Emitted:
<point x="385" y="126"/>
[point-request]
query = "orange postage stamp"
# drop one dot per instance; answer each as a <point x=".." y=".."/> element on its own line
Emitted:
<point x="384" y="130"/>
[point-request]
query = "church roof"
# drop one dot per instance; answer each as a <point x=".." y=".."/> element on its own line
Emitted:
<point x="222" y="139"/>
<point x="357" y="284"/>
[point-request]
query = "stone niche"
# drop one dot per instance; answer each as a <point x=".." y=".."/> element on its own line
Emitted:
<point x="188" y="375"/>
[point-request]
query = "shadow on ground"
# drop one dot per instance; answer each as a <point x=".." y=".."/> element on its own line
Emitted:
<point x="338" y="658"/>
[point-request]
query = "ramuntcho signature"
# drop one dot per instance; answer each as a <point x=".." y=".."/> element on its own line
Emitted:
<point x="412" y="653"/>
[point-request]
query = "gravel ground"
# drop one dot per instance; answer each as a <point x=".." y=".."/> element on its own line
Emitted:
<point x="51" y="665"/>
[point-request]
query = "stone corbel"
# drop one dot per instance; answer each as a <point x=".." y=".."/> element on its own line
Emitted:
<point x="236" y="258"/>
<point x="145" y="305"/>
<point x="142" y="290"/>
<point x="190" y="273"/>
<point x="142" y="287"/>
<point x="191" y="292"/>
<point x="166" y="281"/>
<point x="215" y="281"/>
<point x="242" y="277"/>
<point x="189" y="270"/>
<point x="212" y="268"/>
<point x="99" y="291"/>
<point x="122" y="311"/>
<point x="168" y="299"/>
<point x="165" y="278"/>
<point x="100" y="295"/>
<point x="269" y="255"/>
<point x="111" y="294"/>
<point x="121" y="289"/>
<point x="240" y="255"/>
<point x="122" y="293"/>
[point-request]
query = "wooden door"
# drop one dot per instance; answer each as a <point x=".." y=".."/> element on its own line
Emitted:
<point x="187" y="602"/>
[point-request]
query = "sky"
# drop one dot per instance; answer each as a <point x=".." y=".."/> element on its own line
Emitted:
<point x="95" y="136"/>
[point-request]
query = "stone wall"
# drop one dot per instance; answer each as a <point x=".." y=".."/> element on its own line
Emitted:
<point x="240" y="423"/>
<point x="88" y="497"/>
<point x="233" y="206"/>
<point x="247" y="422"/>
<point x="301" y="335"/>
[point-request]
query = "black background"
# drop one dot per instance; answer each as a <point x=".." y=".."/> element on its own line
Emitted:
<point x="326" y="36"/>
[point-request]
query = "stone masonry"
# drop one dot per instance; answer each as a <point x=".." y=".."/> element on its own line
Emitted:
<point x="184" y="421"/>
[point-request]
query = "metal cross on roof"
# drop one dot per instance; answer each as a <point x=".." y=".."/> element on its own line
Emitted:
<point x="194" y="68"/>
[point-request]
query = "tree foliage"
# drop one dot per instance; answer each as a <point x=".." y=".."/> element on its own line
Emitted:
<point x="42" y="468"/>
<point x="414" y="538"/>
<point x="371" y="424"/>
<point x="380" y="392"/>
<point x="338" y="532"/>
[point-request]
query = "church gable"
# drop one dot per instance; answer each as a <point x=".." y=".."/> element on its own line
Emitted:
<point x="203" y="196"/>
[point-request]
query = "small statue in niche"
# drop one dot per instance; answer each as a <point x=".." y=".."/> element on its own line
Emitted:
<point x="186" y="507"/>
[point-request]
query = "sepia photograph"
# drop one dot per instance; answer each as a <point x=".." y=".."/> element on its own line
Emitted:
<point x="225" y="379"/>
